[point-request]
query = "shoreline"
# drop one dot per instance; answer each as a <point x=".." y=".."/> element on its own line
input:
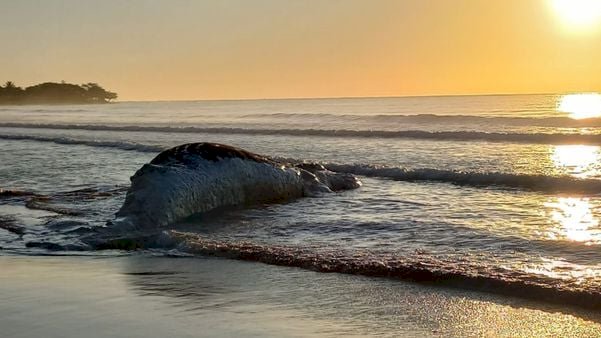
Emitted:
<point x="149" y="296"/>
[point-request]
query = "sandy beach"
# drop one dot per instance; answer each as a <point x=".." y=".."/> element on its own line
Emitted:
<point x="145" y="296"/>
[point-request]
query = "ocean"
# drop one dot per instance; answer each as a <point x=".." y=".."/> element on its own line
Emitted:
<point x="493" y="194"/>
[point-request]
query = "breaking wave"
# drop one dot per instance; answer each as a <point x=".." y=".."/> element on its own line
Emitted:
<point x="512" y="137"/>
<point x="91" y="143"/>
<point x="532" y="182"/>
<point x="420" y="268"/>
<point x="541" y="183"/>
<point x="554" y="121"/>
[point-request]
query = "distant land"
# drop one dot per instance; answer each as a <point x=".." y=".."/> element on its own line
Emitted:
<point x="54" y="93"/>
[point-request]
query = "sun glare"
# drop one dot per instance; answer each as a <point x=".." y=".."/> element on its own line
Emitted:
<point x="575" y="218"/>
<point x="578" y="13"/>
<point x="580" y="106"/>
<point x="577" y="160"/>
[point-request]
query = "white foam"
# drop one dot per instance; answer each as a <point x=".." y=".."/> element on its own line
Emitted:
<point x="512" y="137"/>
<point x="91" y="143"/>
<point x="532" y="182"/>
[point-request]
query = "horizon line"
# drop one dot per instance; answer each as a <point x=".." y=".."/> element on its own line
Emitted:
<point x="359" y="97"/>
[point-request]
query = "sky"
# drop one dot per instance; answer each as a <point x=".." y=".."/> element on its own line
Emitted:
<point x="233" y="49"/>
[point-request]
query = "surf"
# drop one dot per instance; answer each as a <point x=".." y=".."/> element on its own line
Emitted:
<point x="452" y="135"/>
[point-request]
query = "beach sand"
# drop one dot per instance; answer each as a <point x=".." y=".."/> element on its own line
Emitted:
<point x="148" y="296"/>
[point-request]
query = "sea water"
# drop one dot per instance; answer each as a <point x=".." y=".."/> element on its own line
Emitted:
<point x="502" y="188"/>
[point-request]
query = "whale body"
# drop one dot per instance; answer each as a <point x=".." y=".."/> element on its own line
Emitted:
<point x="199" y="177"/>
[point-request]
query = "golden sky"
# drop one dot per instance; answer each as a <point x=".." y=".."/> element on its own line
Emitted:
<point x="193" y="49"/>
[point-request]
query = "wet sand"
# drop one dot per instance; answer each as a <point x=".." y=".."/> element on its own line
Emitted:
<point x="145" y="296"/>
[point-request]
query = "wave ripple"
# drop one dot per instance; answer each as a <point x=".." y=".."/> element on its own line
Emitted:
<point x="541" y="183"/>
<point x="511" y="137"/>
<point x="421" y="268"/>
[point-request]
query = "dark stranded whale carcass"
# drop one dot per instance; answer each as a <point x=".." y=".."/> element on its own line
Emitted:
<point x="199" y="177"/>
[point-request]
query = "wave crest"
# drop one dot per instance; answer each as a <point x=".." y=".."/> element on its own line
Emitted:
<point x="542" y="121"/>
<point x="533" y="182"/>
<point x="541" y="183"/>
<point x="512" y="137"/>
<point x="418" y="269"/>
<point x="92" y="143"/>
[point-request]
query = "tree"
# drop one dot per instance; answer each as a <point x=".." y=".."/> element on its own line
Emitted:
<point x="10" y="93"/>
<point x="56" y="93"/>
<point x="97" y="93"/>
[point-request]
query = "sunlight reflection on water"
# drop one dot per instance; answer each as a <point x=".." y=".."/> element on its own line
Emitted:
<point x="574" y="220"/>
<point x="580" y="106"/>
<point x="561" y="269"/>
<point x="578" y="160"/>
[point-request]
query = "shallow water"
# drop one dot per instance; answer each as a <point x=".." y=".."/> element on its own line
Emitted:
<point x="145" y="296"/>
<point x="521" y="205"/>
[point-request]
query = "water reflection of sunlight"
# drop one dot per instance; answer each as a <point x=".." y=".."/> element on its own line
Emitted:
<point x="558" y="268"/>
<point x="575" y="219"/>
<point x="579" y="160"/>
<point x="580" y="106"/>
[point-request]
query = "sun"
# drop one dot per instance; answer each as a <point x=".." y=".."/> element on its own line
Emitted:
<point x="578" y="13"/>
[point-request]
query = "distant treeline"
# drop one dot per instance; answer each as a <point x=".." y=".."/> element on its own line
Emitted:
<point x="55" y="93"/>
